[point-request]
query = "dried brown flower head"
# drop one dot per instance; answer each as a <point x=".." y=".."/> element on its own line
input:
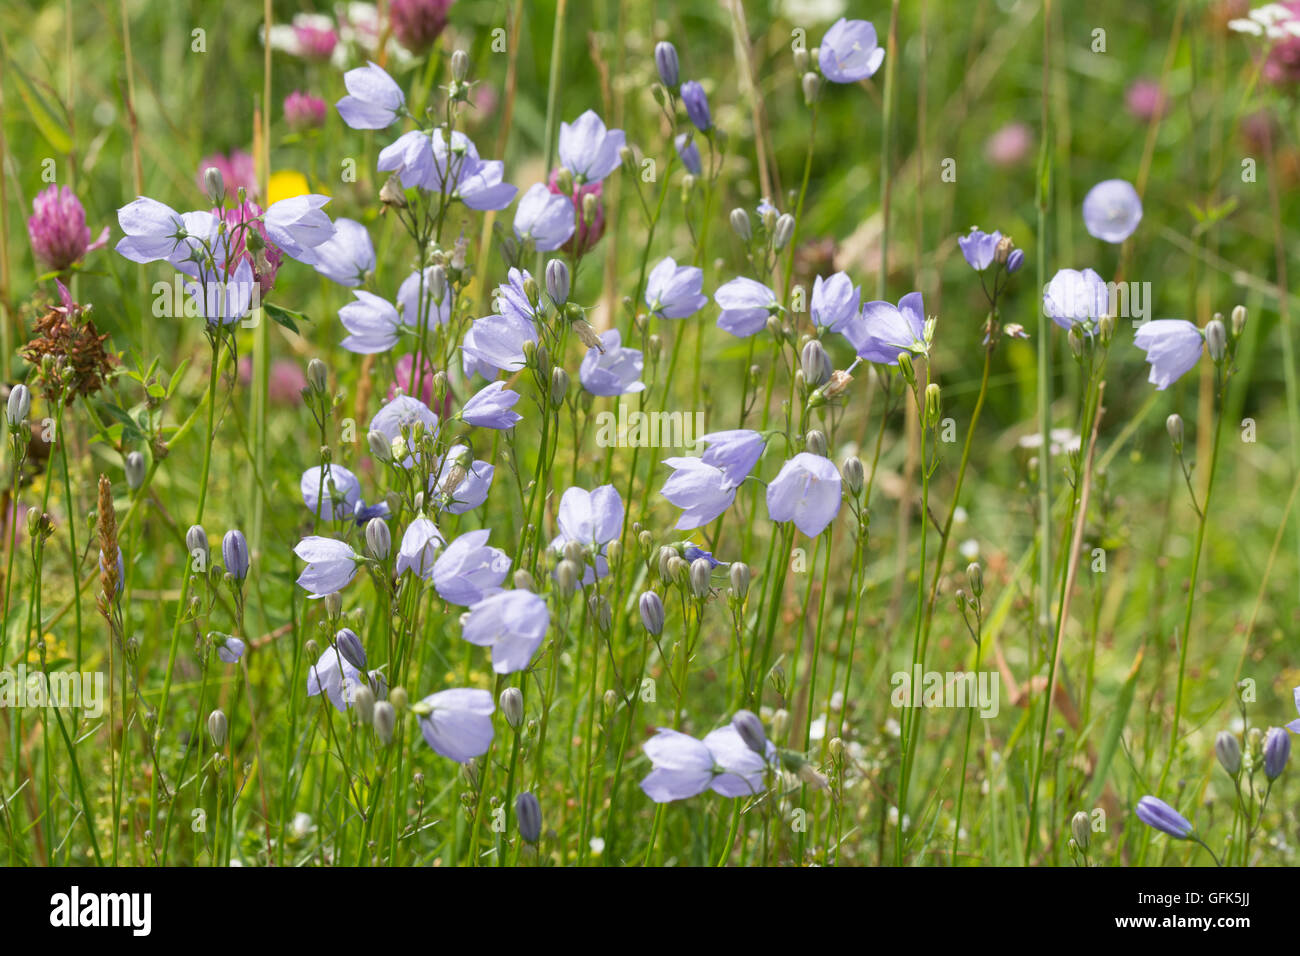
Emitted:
<point x="67" y="349"/>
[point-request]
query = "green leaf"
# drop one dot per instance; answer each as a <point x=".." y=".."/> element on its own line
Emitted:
<point x="1114" y="731"/>
<point x="286" y="317"/>
<point x="48" y="114"/>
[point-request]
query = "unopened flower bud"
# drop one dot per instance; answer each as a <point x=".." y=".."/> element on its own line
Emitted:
<point x="1228" y="749"/>
<point x="559" y="386"/>
<point x="1216" y="339"/>
<point x="218" y="726"/>
<point x="750" y="729"/>
<point x="652" y="612"/>
<point x="783" y="231"/>
<point x="815" y="442"/>
<point x="812" y="87"/>
<point x="318" y="376"/>
<point x="350" y="649"/>
<point x="933" y="403"/>
<point x="196" y="543"/>
<point x="459" y="66"/>
<point x="528" y="814"/>
<point x="666" y="63"/>
<point x="1238" y="320"/>
<point x="906" y="368"/>
<point x="384" y="720"/>
<point x="135" y="469"/>
<point x="816" y="364"/>
<point x="557" y="281"/>
<point x="214" y="186"/>
<point x="780" y="723"/>
<point x="379" y="540"/>
<point x="740" y="576"/>
<point x="1277" y="751"/>
<point x="333" y="604"/>
<point x="234" y="553"/>
<point x="20" y="403"/>
<point x="380" y="446"/>
<point x="512" y="706"/>
<point x="567" y="575"/>
<point x="854" y="475"/>
<point x="523" y="581"/>
<point x="1081" y="829"/>
<point x="1174" y="425"/>
<point x="975" y="578"/>
<point x="740" y="224"/>
<point x="363" y="699"/>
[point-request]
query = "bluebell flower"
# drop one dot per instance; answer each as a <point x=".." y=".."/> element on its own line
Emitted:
<point x="689" y="153"/>
<point x="684" y="767"/>
<point x="234" y="554"/>
<point x="347" y="256"/>
<point x="697" y="105"/>
<point x="1173" y="348"/>
<point x="154" y="231"/>
<point x="469" y="570"/>
<point x="373" y="99"/>
<point x="496" y="342"/>
<point x="404" y="412"/>
<point x="673" y="291"/>
<point x="470" y="491"/>
<point x="421" y="543"/>
<point x="545" y="218"/>
<point x="693" y="552"/>
<point x="492" y="407"/>
<point x="512" y="623"/>
<point x="746" y="305"/>
<point x="807" y="492"/>
<point x="741" y="769"/>
<point x="1076" y="298"/>
<point x="588" y="150"/>
<point x="1159" y="815"/>
<point x="457" y="723"/>
<point x="373" y="324"/>
<point x="335" y="677"/>
<point x="331" y="565"/>
<point x="477" y="181"/>
<point x="884" y="331"/>
<point x="593" y="519"/>
<point x="230" y="649"/>
<point x="849" y="51"/>
<point x="1112" y="210"/>
<point x="336" y="504"/>
<point x="297" y="226"/>
<point x="410" y="157"/>
<point x="835" y="302"/>
<point x="735" y="452"/>
<point x="699" y="489"/>
<point x="409" y="302"/>
<point x="225" y="301"/>
<point x="979" y="247"/>
<point x="615" y="371"/>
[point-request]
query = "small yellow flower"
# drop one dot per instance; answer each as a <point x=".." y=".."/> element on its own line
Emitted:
<point x="285" y="184"/>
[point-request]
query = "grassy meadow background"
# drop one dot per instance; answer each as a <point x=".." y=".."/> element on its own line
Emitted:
<point x="115" y="100"/>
